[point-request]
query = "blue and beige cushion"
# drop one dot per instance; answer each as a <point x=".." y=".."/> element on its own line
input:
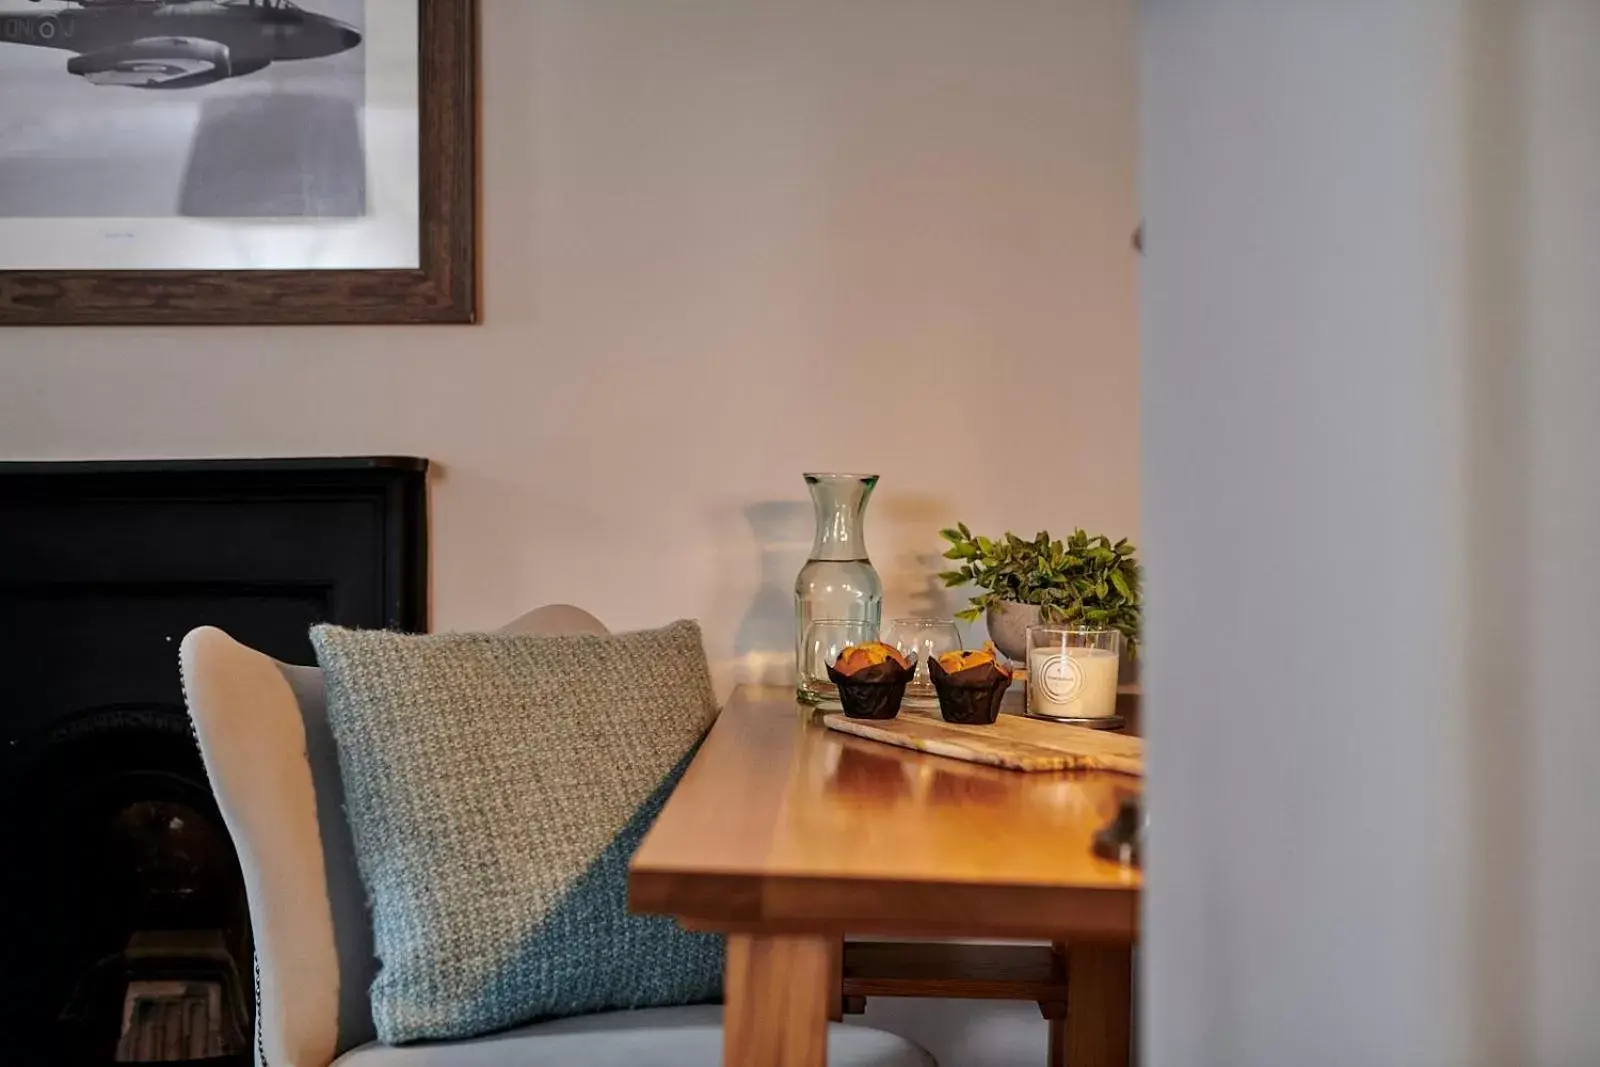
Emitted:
<point x="496" y="786"/>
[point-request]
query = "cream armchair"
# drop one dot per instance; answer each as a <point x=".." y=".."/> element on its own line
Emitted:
<point x="263" y="733"/>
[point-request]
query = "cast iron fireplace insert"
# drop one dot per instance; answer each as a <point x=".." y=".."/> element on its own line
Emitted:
<point x="123" y="925"/>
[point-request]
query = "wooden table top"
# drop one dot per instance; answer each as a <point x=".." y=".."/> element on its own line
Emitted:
<point x="781" y="824"/>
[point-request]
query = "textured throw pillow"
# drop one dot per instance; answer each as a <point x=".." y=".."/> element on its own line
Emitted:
<point x="496" y="787"/>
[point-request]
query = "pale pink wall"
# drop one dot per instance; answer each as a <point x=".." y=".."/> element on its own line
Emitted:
<point x="724" y="242"/>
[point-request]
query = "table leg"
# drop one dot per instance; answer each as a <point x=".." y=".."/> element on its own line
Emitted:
<point x="1098" y="1030"/>
<point x="1056" y="1013"/>
<point x="777" y="988"/>
<point x="836" y="979"/>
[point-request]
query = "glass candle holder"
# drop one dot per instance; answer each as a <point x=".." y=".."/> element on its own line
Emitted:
<point x="820" y="645"/>
<point x="1072" y="675"/>
<point x="928" y="638"/>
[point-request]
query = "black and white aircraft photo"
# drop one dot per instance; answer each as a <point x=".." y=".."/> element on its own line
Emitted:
<point x="263" y="112"/>
<point x="177" y="44"/>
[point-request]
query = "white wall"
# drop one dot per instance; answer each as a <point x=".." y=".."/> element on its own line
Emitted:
<point x="724" y="243"/>
<point x="1369" y="396"/>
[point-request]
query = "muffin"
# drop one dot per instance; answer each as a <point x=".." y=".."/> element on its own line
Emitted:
<point x="872" y="679"/>
<point x="970" y="685"/>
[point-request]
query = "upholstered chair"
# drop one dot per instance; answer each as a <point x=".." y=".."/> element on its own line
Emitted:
<point x="263" y="733"/>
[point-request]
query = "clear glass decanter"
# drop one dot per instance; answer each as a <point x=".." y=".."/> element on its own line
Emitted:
<point x="838" y="583"/>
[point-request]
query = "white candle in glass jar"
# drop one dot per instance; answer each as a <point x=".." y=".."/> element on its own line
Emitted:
<point x="1073" y="683"/>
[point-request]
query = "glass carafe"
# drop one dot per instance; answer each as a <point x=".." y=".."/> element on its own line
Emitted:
<point x="838" y="582"/>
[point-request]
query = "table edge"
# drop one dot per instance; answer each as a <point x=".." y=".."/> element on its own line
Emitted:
<point x="837" y="904"/>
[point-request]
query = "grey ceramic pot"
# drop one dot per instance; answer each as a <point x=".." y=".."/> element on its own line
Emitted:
<point x="1008" y="628"/>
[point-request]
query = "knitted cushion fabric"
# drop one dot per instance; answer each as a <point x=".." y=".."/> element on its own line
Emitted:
<point x="496" y="787"/>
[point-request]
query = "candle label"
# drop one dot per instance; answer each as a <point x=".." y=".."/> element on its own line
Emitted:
<point x="1060" y="679"/>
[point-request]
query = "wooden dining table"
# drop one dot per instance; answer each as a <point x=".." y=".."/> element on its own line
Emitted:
<point x="789" y="837"/>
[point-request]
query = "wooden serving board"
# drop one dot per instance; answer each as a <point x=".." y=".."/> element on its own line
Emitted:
<point x="1016" y="742"/>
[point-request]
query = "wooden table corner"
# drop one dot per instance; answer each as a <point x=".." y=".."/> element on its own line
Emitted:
<point x="786" y="837"/>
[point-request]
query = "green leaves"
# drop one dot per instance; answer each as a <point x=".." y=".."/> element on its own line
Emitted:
<point x="1085" y="579"/>
<point x="963" y="550"/>
<point x="1120" y="583"/>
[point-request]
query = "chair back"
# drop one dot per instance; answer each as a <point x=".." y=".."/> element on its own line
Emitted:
<point x="262" y="728"/>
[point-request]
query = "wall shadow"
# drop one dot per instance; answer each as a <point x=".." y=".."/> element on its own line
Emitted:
<point x="765" y="639"/>
<point x="1499" y="757"/>
<point x="911" y="576"/>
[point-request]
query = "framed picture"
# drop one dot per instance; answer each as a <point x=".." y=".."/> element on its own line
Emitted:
<point x="238" y="161"/>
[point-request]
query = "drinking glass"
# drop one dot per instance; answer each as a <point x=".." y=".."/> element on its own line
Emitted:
<point x="1072" y="675"/>
<point x="927" y="638"/>
<point x="820" y="646"/>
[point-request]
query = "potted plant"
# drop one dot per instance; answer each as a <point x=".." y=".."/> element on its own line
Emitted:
<point x="1083" y="580"/>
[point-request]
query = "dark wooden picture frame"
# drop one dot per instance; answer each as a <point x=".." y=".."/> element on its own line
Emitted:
<point x="444" y="289"/>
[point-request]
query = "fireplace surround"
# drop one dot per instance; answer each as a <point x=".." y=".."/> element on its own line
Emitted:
<point x="122" y="912"/>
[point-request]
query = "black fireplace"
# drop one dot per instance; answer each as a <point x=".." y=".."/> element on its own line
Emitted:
<point x="123" y="925"/>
